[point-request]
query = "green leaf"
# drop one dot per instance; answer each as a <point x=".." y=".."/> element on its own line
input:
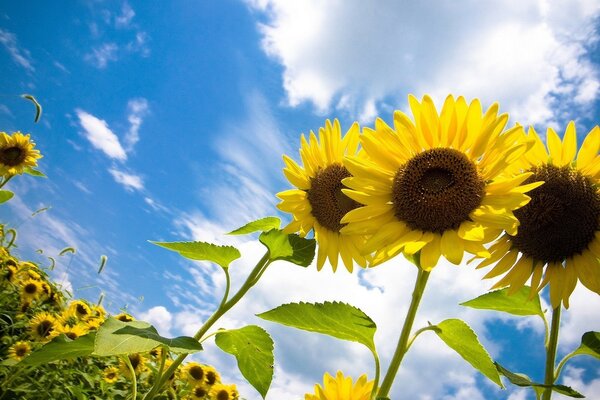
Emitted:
<point x="103" y="260"/>
<point x="290" y="248"/>
<point x="5" y="195"/>
<point x="253" y="349"/>
<point x="460" y="337"/>
<point x="335" y="319"/>
<point x="263" y="225"/>
<point x="524" y="381"/>
<point x="590" y="345"/>
<point x="516" y="304"/>
<point x="59" y="348"/>
<point x="202" y="251"/>
<point x="38" y="107"/>
<point x="34" y="172"/>
<point x="115" y="337"/>
<point x="67" y="250"/>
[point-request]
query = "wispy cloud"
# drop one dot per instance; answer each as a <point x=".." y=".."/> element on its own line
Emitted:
<point x="130" y="182"/>
<point x="102" y="55"/>
<point x="19" y="55"/>
<point x="100" y="136"/>
<point x="124" y="19"/>
<point x="137" y="109"/>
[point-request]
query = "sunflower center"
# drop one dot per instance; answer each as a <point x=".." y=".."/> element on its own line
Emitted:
<point x="30" y="288"/>
<point x="12" y="156"/>
<point x="211" y="378"/>
<point x="223" y="395"/>
<point x="135" y="360"/>
<point x="562" y="217"/>
<point x="81" y="310"/>
<point x="71" y="335"/>
<point x="111" y="375"/>
<point x="21" y="351"/>
<point x="328" y="203"/>
<point x="44" y="328"/>
<point x="199" y="392"/>
<point x="436" y="190"/>
<point x="196" y="372"/>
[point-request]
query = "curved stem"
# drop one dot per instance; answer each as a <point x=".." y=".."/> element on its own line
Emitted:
<point x="418" y="332"/>
<point x="6" y="180"/>
<point x="377" y="372"/>
<point x="561" y="364"/>
<point x="402" y="347"/>
<point x="222" y="309"/>
<point x="551" y="353"/>
<point x="127" y="361"/>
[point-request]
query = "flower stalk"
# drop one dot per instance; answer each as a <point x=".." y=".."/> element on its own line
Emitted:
<point x="551" y="353"/>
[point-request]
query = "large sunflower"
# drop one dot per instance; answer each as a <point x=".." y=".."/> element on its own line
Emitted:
<point x="559" y="237"/>
<point x="435" y="185"/>
<point x="16" y="153"/>
<point x="224" y="392"/>
<point x="318" y="202"/>
<point x="43" y="326"/>
<point x="341" y="388"/>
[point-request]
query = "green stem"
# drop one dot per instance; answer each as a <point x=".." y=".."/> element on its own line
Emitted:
<point x="222" y="309"/>
<point x="377" y="372"/>
<point x="402" y="346"/>
<point x="561" y="364"/>
<point x="133" y="376"/>
<point x="551" y="353"/>
<point x="6" y="180"/>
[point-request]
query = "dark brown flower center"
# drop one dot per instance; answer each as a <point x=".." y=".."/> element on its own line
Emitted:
<point x="21" y="351"/>
<point x="562" y="217"/>
<point x="30" y="288"/>
<point x="111" y="375"/>
<point x="199" y="392"/>
<point x="222" y="395"/>
<point x="12" y="156"/>
<point x="71" y="335"/>
<point x="44" y="328"/>
<point x="436" y="190"/>
<point x="328" y="203"/>
<point x="211" y="378"/>
<point x="196" y="372"/>
<point x="81" y="309"/>
<point x="135" y="360"/>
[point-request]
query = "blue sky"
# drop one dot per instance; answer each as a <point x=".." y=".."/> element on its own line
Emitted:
<point x="168" y="123"/>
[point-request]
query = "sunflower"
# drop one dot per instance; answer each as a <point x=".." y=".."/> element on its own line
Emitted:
<point x="212" y="377"/>
<point x="19" y="350"/>
<point x="193" y="373"/>
<point x="435" y="185"/>
<point x="559" y="237"/>
<point x="224" y="392"/>
<point x="31" y="289"/>
<point x="318" y="202"/>
<point x="138" y="362"/>
<point x="16" y="153"/>
<point x="111" y="374"/>
<point x="198" y="392"/>
<point x="81" y="310"/>
<point x="341" y="387"/>
<point x="43" y="326"/>
<point x="71" y="331"/>
<point x="124" y="317"/>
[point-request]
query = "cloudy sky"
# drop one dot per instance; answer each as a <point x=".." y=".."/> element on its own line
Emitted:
<point x="169" y="123"/>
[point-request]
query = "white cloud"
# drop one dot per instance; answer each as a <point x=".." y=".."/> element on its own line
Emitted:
<point x="101" y="56"/>
<point x="574" y="378"/>
<point x="130" y="182"/>
<point x="358" y="57"/>
<point x="160" y="317"/>
<point x="100" y="135"/>
<point x="124" y="19"/>
<point x="137" y="109"/>
<point x="19" y="55"/>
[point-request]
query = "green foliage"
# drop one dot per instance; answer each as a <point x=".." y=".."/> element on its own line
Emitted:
<point x="34" y="172"/>
<point x="335" y="319"/>
<point x="253" y="349"/>
<point x="61" y="348"/>
<point x="103" y="260"/>
<point x="515" y="304"/>
<point x="202" y="251"/>
<point x="590" y="345"/>
<point x="38" y="107"/>
<point x="262" y="225"/>
<point x="524" y="381"/>
<point x="460" y="337"/>
<point x="5" y="195"/>
<point x="290" y="248"/>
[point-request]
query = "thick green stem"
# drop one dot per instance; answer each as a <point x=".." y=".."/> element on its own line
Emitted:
<point x="402" y="346"/>
<point x="377" y="372"/>
<point x="133" y="376"/>
<point x="551" y="353"/>
<point x="223" y="308"/>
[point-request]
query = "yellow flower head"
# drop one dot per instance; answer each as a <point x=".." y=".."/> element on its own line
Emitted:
<point x="124" y="317"/>
<point x="341" y="388"/>
<point x="559" y="234"/>
<point x="223" y="392"/>
<point x="16" y="153"/>
<point x="9" y="272"/>
<point x="71" y="331"/>
<point x="138" y="362"/>
<point x="80" y="309"/>
<point x="43" y="326"/>
<point x="318" y="203"/>
<point x="19" y="350"/>
<point x="434" y="184"/>
<point x="111" y="374"/>
<point x="31" y="289"/>
<point x="198" y="392"/>
<point x="211" y="375"/>
<point x="193" y="373"/>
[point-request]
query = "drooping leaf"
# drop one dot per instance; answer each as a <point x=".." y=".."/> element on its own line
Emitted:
<point x="524" y="381"/>
<point x="590" y="345"/>
<point x="60" y="348"/>
<point x="5" y="195"/>
<point x="67" y="250"/>
<point x="460" y="337"/>
<point x="262" y="225"/>
<point x="41" y="210"/>
<point x="115" y="337"/>
<point x="515" y="304"/>
<point x="288" y="247"/>
<point x="103" y="260"/>
<point x="38" y="107"/>
<point x="253" y="349"/>
<point x="34" y="172"/>
<point x="336" y="319"/>
<point x="202" y="251"/>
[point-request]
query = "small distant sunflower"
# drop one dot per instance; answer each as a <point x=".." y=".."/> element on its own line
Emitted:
<point x="341" y="387"/>
<point x="31" y="289"/>
<point x="93" y="323"/>
<point x="193" y="373"/>
<point x="211" y="375"/>
<point x="138" y="362"/>
<point x="80" y="309"/>
<point x="124" y="317"/>
<point x="111" y="374"/>
<point x="43" y="326"/>
<point x="19" y="350"/>
<point x="9" y="273"/>
<point x="16" y="153"/>
<point x="224" y="392"/>
<point x="71" y="331"/>
<point x="318" y="203"/>
<point x="559" y="234"/>
<point x="198" y="392"/>
<point x="436" y="185"/>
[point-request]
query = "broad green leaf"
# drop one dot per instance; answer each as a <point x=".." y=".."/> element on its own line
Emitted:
<point x="34" y="172"/>
<point x="460" y="337"/>
<point x="290" y="247"/>
<point x="262" y="225"/>
<point x="202" y="251"/>
<point x="335" y="319"/>
<point x="524" y="381"/>
<point x="5" y="195"/>
<point x="253" y="349"/>
<point x="38" y="107"/>
<point x="500" y="300"/>
<point x="59" y="348"/>
<point x="590" y="346"/>
<point x="115" y="337"/>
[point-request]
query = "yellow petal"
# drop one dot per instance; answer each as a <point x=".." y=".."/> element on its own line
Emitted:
<point x="569" y="144"/>
<point x="452" y="247"/>
<point x="554" y="146"/>
<point x="430" y="254"/>
<point x="589" y="148"/>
